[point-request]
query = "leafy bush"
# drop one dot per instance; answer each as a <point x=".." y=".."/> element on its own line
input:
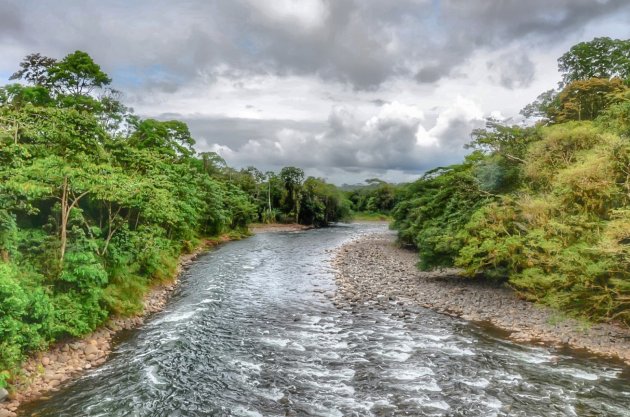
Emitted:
<point x="565" y="241"/>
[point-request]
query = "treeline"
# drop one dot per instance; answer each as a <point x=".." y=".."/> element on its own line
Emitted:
<point x="544" y="207"/>
<point x="376" y="198"/>
<point x="96" y="204"/>
<point x="286" y="196"/>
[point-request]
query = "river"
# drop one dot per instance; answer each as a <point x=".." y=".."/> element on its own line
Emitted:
<point x="251" y="331"/>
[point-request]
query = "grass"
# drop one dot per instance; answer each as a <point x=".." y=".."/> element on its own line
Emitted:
<point x="365" y="216"/>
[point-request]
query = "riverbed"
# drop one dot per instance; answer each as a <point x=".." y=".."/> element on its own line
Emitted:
<point x="253" y="331"/>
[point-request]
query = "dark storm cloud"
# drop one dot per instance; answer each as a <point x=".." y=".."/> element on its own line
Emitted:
<point x="489" y="21"/>
<point x="236" y="132"/>
<point x="10" y="21"/>
<point x="359" y="42"/>
<point x="512" y="70"/>
<point x="431" y="74"/>
<point x="392" y="139"/>
<point x="219" y="62"/>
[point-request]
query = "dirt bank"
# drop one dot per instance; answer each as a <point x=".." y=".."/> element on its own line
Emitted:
<point x="373" y="271"/>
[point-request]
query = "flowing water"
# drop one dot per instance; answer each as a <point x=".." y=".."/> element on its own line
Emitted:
<point x="252" y="332"/>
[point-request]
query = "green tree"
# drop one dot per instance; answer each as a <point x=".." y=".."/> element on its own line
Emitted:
<point x="34" y="70"/>
<point x="76" y="75"/>
<point x="545" y="106"/>
<point x="586" y="99"/>
<point x="600" y="58"/>
<point x="616" y="117"/>
<point x="17" y="96"/>
<point x="171" y="138"/>
<point x="292" y="178"/>
<point x="213" y="164"/>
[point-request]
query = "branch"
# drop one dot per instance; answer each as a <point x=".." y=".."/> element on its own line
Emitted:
<point x="76" y="200"/>
<point x="514" y="158"/>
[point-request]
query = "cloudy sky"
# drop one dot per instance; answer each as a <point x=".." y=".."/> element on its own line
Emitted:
<point x="346" y="89"/>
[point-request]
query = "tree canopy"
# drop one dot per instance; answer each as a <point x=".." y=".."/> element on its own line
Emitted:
<point x="543" y="207"/>
<point x="600" y="58"/>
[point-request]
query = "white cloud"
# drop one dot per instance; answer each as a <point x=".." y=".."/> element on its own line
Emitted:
<point x="392" y="140"/>
<point x="307" y="15"/>
<point x="347" y="88"/>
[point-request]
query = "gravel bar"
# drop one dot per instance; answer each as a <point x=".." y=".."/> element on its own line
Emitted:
<point x="373" y="271"/>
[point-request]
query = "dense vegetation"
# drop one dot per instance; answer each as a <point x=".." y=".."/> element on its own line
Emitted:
<point x="286" y="197"/>
<point x="96" y="204"/>
<point x="374" y="200"/>
<point x="545" y="207"/>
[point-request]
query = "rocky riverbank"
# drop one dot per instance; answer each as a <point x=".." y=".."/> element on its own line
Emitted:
<point x="46" y="371"/>
<point x="373" y="272"/>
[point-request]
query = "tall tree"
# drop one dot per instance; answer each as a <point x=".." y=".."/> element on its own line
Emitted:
<point x="34" y="69"/>
<point x="600" y="58"/>
<point x="586" y="99"/>
<point x="77" y="74"/>
<point x="544" y="106"/>
<point x="292" y="178"/>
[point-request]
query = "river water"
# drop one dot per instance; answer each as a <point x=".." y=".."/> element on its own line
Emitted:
<point x="252" y="332"/>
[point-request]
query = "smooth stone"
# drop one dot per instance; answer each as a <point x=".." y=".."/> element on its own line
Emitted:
<point x="90" y="349"/>
<point x="3" y="394"/>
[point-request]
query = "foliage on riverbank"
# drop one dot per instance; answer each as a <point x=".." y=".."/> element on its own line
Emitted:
<point x="546" y="207"/>
<point x="97" y="204"/>
<point x="287" y="196"/>
<point x="370" y="217"/>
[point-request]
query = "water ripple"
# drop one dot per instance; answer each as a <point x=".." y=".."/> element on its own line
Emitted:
<point x="250" y="333"/>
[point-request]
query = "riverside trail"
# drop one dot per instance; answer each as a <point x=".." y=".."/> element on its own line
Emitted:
<point x="253" y="330"/>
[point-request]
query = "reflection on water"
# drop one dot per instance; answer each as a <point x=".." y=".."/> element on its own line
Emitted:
<point x="252" y="333"/>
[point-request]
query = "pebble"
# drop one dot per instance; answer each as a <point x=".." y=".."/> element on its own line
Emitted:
<point x="90" y="349"/>
<point x="374" y="270"/>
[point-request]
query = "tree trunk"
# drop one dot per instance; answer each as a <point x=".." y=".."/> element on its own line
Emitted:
<point x="269" y="198"/>
<point x="111" y="218"/>
<point x="66" y="208"/>
<point x="15" y="133"/>
<point x="297" y="210"/>
<point x="64" y="220"/>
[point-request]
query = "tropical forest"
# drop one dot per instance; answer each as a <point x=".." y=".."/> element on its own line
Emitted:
<point x="146" y="271"/>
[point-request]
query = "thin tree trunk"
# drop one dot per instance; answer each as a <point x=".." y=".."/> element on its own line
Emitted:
<point x="112" y="230"/>
<point x="269" y="199"/>
<point x="64" y="219"/>
<point x="66" y="208"/>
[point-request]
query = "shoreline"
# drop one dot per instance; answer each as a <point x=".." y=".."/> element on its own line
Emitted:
<point x="45" y="371"/>
<point x="277" y="227"/>
<point x="371" y="271"/>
